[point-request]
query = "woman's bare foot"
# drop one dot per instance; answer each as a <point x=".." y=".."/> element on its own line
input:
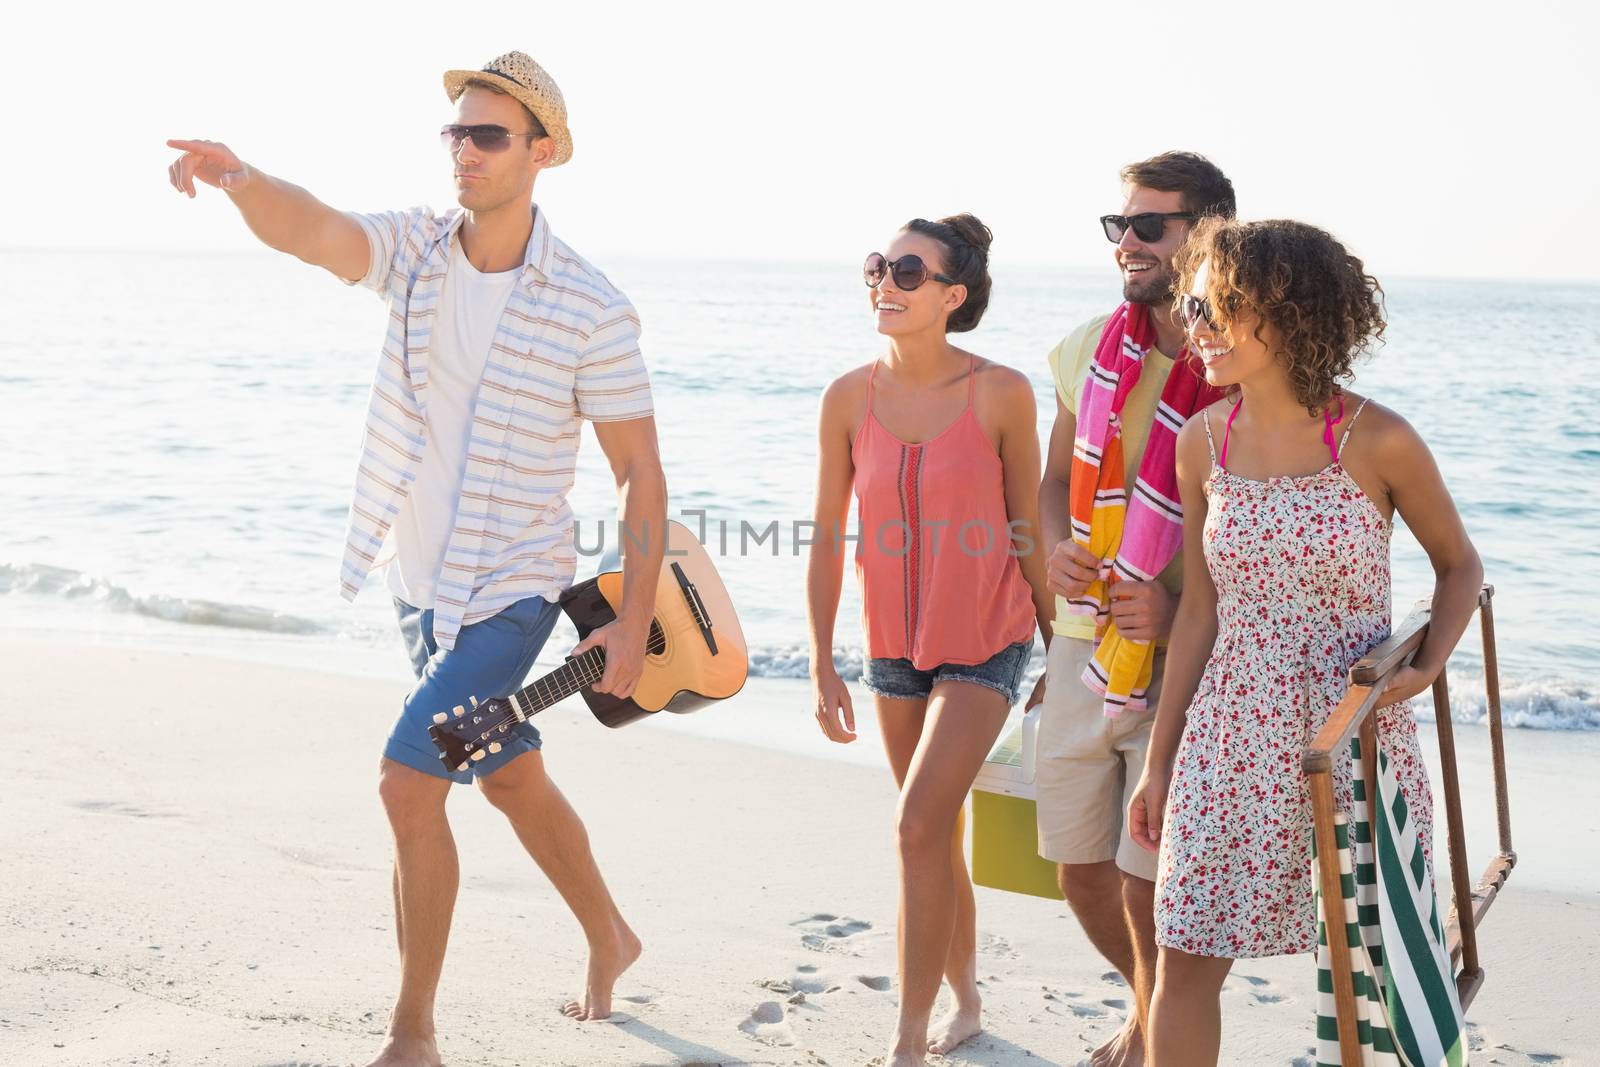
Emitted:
<point x="606" y="964"/>
<point x="408" y="1052"/>
<point x="963" y="1021"/>
<point x="1125" y="1049"/>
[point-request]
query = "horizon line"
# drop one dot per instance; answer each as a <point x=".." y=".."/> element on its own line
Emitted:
<point x="799" y="260"/>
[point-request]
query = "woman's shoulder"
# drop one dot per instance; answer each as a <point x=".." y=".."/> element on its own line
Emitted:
<point x="1378" y="431"/>
<point x="1196" y="428"/>
<point x="1005" y="382"/>
<point x="849" y="386"/>
<point x="1213" y="415"/>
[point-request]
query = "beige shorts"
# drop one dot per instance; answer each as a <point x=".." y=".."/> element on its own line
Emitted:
<point x="1088" y="764"/>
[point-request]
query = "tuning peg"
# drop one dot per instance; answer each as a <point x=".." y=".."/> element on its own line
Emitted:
<point x="459" y="710"/>
<point x="474" y="701"/>
<point x="461" y="766"/>
<point x="494" y="746"/>
<point x="441" y="718"/>
<point x="478" y="755"/>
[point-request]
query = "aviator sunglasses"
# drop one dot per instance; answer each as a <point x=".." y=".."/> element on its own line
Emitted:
<point x="486" y="137"/>
<point x="909" y="272"/>
<point x="1148" y="226"/>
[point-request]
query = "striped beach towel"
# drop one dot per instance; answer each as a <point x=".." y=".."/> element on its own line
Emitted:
<point x="1134" y="536"/>
<point x="1407" y="1009"/>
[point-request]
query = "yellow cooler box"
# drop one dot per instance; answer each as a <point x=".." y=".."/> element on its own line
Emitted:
<point x="1005" y="837"/>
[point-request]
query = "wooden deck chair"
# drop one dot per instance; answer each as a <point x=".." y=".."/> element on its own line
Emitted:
<point x="1353" y="717"/>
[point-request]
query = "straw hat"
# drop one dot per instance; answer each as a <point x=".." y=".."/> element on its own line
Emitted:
<point x="529" y="83"/>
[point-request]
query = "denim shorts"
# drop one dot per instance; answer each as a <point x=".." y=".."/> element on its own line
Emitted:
<point x="1001" y="672"/>
<point x="491" y="659"/>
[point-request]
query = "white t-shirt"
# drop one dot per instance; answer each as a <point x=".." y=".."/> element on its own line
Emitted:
<point x="470" y="306"/>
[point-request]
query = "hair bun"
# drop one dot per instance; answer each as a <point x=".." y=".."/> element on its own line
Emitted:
<point x="972" y="231"/>
<point x="965" y="242"/>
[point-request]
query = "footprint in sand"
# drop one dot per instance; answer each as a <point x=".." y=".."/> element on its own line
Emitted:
<point x="878" y="983"/>
<point x="830" y="933"/>
<point x="1086" y="1011"/>
<point x="768" y="1024"/>
<point x="998" y="946"/>
<point x="800" y="983"/>
<point x="1258" y="992"/>
<point x="116" y="807"/>
<point x="642" y="1002"/>
<point x="1114" y="978"/>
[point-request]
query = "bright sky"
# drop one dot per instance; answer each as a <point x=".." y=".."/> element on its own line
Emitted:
<point x="1436" y="139"/>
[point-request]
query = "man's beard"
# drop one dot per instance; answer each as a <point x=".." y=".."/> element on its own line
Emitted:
<point x="1153" y="288"/>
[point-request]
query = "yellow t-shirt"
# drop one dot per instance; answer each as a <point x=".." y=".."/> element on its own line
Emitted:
<point x="1069" y="367"/>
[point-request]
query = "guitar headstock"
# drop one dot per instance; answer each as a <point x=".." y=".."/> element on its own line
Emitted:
<point x="465" y="734"/>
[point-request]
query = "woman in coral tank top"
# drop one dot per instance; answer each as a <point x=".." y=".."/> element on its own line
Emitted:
<point x="942" y="450"/>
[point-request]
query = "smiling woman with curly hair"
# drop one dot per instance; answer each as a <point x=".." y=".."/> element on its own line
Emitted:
<point x="1286" y="523"/>
<point x="1322" y="306"/>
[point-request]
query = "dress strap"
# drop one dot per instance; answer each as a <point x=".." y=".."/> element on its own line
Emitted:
<point x="972" y="376"/>
<point x="1205" y="417"/>
<point x="1359" y="408"/>
<point x="1227" y="431"/>
<point x="872" y="376"/>
<point x="1328" y="423"/>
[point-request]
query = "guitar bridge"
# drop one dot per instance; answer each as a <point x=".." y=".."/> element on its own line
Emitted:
<point x="697" y="607"/>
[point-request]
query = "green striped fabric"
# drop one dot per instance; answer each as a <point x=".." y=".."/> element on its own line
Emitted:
<point x="1377" y="1043"/>
<point x="1407" y="1009"/>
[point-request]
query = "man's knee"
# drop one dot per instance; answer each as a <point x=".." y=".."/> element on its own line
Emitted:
<point x="516" y="780"/>
<point x="1083" y="882"/>
<point x="1138" y="893"/>
<point x="409" y="796"/>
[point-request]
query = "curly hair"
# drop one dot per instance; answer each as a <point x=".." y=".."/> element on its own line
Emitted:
<point x="1319" y="300"/>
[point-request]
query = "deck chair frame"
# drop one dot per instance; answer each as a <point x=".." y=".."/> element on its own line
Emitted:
<point x="1469" y="902"/>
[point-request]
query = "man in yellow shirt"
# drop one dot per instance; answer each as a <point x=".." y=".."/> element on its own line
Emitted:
<point x="1088" y="762"/>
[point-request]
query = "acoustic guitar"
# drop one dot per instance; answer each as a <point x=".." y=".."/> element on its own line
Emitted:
<point x="695" y="655"/>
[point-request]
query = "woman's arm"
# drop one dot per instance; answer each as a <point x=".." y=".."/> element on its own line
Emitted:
<point x="1194" y="631"/>
<point x="825" y="560"/>
<point x="1019" y="460"/>
<point x="1402" y="462"/>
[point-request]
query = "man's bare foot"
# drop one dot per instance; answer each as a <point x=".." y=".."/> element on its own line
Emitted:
<point x="1125" y="1049"/>
<point x="962" y="1022"/>
<point x="408" y="1052"/>
<point x="606" y="964"/>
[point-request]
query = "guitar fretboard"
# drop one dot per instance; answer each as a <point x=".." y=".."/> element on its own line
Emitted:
<point x="572" y="676"/>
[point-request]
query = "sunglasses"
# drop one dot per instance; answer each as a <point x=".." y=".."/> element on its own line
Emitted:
<point x="486" y="137"/>
<point x="909" y="272"/>
<point x="1193" y="309"/>
<point x="1148" y="226"/>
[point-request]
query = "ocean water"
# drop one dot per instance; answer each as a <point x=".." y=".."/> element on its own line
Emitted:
<point x="179" y="453"/>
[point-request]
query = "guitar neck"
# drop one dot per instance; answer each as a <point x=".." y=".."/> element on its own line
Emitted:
<point x="559" y="684"/>
<point x="572" y="676"/>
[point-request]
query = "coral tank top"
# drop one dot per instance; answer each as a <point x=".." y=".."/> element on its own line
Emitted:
<point x="938" y="581"/>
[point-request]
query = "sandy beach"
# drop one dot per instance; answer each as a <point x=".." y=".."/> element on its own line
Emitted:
<point x="194" y="870"/>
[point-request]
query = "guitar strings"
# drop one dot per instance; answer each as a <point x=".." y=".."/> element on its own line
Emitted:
<point x="591" y="668"/>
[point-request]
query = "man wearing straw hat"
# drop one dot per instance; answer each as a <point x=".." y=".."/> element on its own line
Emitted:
<point x="501" y="340"/>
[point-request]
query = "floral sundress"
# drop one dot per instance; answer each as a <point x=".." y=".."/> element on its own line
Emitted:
<point x="1301" y="569"/>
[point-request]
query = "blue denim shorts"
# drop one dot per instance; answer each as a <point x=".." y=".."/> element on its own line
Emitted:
<point x="1001" y="672"/>
<point x="491" y="659"/>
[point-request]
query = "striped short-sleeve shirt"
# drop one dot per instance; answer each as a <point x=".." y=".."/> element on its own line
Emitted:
<point x="566" y="349"/>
